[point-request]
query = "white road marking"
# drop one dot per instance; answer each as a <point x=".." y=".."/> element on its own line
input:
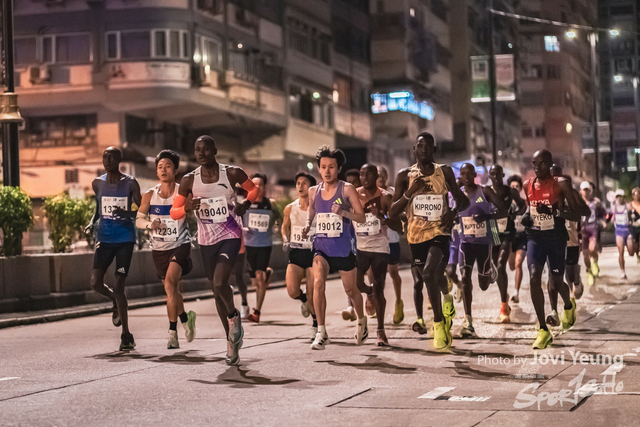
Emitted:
<point x="439" y="391"/>
<point x="9" y="378"/>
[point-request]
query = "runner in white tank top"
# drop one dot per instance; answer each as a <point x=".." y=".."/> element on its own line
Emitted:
<point x="300" y="249"/>
<point x="212" y="186"/>
<point x="170" y="241"/>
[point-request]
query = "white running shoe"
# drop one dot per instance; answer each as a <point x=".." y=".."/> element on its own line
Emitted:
<point x="319" y="341"/>
<point x="313" y="333"/>
<point x="467" y="330"/>
<point x="234" y="340"/>
<point x="304" y="309"/>
<point x="362" y="332"/>
<point x="349" y="313"/>
<point x="190" y="326"/>
<point x="244" y="311"/>
<point x="623" y="276"/>
<point x="173" y="340"/>
<point x="578" y="290"/>
<point x="553" y="319"/>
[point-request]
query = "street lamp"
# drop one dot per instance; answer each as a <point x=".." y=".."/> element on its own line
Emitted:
<point x="571" y="34"/>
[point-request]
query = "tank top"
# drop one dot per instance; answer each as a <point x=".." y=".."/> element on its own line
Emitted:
<point x="591" y="222"/>
<point x="112" y="229"/>
<point x="393" y="236"/>
<point x="425" y="210"/>
<point x="334" y="233"/>
<point x="472" y="231"/>
<point x="620" y="215"/>
<point x="545" y="226"/>
<point x="172" y="233"/>
<point x="258" y="224"/>
<point x="298" y="219"/>
<point x="371" y="236"/>
<point x="506" y="225"/>
<point x="216" y="219"/>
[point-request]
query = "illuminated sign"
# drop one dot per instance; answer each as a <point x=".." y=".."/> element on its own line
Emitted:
<point x="400" y="101"/>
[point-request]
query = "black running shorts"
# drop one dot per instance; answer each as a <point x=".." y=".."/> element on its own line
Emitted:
<point x="223" y="252"/>
<point x="420" y="251"/>
<point x="519" y="242"/>
<point x="573" y="255"/>
<point x="303" y="258"/>
<point x="553" y="251"/>
<point x="179" y="255"/>
<point x="337" y="264"/>
<point x="394" y="253"/>
<point x="378" y="263"/>
<point x="471" y="253"/>
<point x="106" y="252"/>
<point x="258" y="259"/>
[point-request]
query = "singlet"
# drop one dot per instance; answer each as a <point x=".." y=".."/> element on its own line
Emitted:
<point x="506" y="226"/>
<point x="573" y="234"/>
<point x="258" y="224"/>
<point x="112" y="229"/>
<point x="172" y="233"/>
<point x="591" y="222"/>
<point x="298" y="219"/>
<point x="334" y="233"/>
<point x="371" y="236"/>
<point x="620" y="215"/>
<point x="393" y="236"/>
<point x="216" y="219"/>
<point x="425" y="210"/>
<point x="472" y="231"/>
<point x="635" y="216"/>
<point x="545" y="226"/>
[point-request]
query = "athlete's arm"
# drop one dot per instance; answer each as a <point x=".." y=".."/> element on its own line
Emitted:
<point x="566" y="192"/>
<point x="142" y="222"/>
<point x="393" y="223"/>
<point x="96" y="214"/>
<point x="286" y="224"/>
<point x="502" y="211"/>
<point x="351" y="194"/>
<point x="237" y="176"/>
<point x="461" y="199"/>
<point x="584" y="207"/>
<point x="522" y="206"/>
<point x="400" y="201"/>
<point x="182" y="203"/>
<point x="527" y="221"/>
<point x="311" y="213"/>
<point x="136" y="197"/>
<point x="276" y="212"/>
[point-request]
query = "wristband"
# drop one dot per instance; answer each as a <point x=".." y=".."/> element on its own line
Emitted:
<point x="405" y="196"/>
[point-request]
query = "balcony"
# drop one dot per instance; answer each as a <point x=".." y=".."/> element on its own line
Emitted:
<point x="45" y="77"/>
<point x="352" y="123"/>
<point x="143" y="74"/>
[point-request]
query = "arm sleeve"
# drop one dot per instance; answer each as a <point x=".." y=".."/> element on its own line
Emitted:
<point x="177" y="210"/>
<point x="142" y="222"/>
<point x="250" y="188"/>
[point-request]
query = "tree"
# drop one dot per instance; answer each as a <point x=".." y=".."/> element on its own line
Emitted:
<point x="16" y="217"/>
<point x="67" y="219"/>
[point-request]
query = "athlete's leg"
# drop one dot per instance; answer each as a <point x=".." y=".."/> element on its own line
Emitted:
<point x="223" y="293"/>
<point x="433" y="275"/>
<point x="320" y="272"/>
<point x="349" y="281"/>
<point x="310" y="293"/>
<point x="379" y="270"/>
<point x="501" y="257"/>
<point x="466" y="269"/>
<point x="261" y="288"/>
<point x="363" y="261"/>
<point x="451" y="271"/>
<point x="536" y="258"/>
<point x="97" y="284"/>
<point x="175" y="305"/>
<point x="629" y="243"/>
<point x="121" y="301"/>
<point x="519" y="261"/>
<point x="620" y="245"/>
<point x="593" y="249"/>
<point x="239" y="273"/>
<point x="293" y="280"/>
<point x="418" y="284"/>
<point x="394" y="273"/>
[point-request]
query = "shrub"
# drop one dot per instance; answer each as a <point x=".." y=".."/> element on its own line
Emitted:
<point x="67" y="219"/>
<point x="16" y="217"/>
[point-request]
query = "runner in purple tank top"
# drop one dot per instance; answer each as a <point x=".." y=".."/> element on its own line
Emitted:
<point x="334" y="204"/>
<point x="591" y="231"/>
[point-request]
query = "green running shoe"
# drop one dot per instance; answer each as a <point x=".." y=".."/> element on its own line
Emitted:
<point x="190" y="326"/>
<point x="569" y="316"/>
<point x="441" y="339"/>
<point x="398" y="314"/>
<point x="419" y="326"/>
<point x="543" y="340"/>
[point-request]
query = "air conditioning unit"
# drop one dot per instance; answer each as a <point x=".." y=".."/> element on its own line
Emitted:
<point x="39" y="74"/>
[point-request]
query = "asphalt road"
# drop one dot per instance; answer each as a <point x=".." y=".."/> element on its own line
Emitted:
<point x="69" y="373"/>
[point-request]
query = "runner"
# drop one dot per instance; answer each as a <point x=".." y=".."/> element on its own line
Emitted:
<point x="258" y="223"/>
<point x="620" y="212"/>
<point x="117" y="198"/>
<point x="352" y="176"/>
<point x="454" y="250"/>
<point x="373" y="243"/>
<point x="212" y="185"/>
<point x="422" y="190"/>
<point x="519" y="246"/>
<point x="336" y="204"/>
<point x="394" y="253"/>
<point x="547" y="239"/>
<point x="479" y="233"/>
<point x="591" y="231"/>
<point x="634" y="217"/>
<point x="239" y="266"/>
<point x="507" y="228"/>
<point x="300" y="250"/>
<point x="170" y="243"/>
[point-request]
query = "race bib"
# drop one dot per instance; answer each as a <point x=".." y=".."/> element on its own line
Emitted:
<point x="167" y="232"/>
<point x="502" y="225"/>
<point x="542" y="222"/>
<point x="296" y="238"/>
<point x="428" y="206"/>
<point x="370" y="227"/>
<point x="259" y="222"/>
<point x="519" y="226"/>
<point x="473" y="228"/>
<point x="621" y="219"/>
<point x="214" y="210"/>
<point x="109" y="205"/>
<point x="328" y="225"/>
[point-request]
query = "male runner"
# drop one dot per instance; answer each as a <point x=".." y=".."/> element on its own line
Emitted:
<point x="394" y="254"/>
<point x="547" y="239"/>
<point x="240" y="264"/>
<point x="591" y="231"/>
<point x="620" y="213"/>
<point x="479" y="233"/>
<point x="336" y="204"/>
<point x="352" y="176"/>
<point x="507" y="231"/>
<point x="258" y="224"/>
<point x="300" y="250"/>
<point x="634" y="218"/>
<point x="454" y="250"/>
<point x="213" y="188"/>
<point x="170" y="243"/>
<point x="373" y="243"/>
<point x="117" y="198"/>
<point x="519" y="246"/>
<point x="422" y="190"/>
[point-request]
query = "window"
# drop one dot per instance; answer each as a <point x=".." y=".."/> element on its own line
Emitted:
<point x="73" y="49"/>
<point x="59" y="131"/>
<point x="211" y="52"/>
<point x="551" y="44"/>
<point x="71" y="176"/>
<point x="540" y="132"/>
<point x="147" y="44"/>
<point x="160" y="43"/>
<point x="313" y="107"/>
<point x="135" y="44"/>
<point x="534" y="71"/>
<point x="527" y="132"/>
<point x="309" y="41"/>
<point x="50" y="49"/>
<point x="112" y="46"/>
<point x="26" y="50"/>
<point x="553" y="72"/>
<point x="342" y="88"/>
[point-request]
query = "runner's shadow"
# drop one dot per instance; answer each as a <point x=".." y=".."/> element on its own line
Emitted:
<point x="237" y="377"/>
<point x="180" y="358"/>
<point x="373" y="363"/>
<point x="276" y="323"/>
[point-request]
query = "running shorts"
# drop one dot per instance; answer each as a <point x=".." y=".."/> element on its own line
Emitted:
<point x="223" y="252"/>
<point x="303" y="258"/>
<point x="336" y="263"/>
<point x="420" y="251"/>
<point x="623" y="231"/>
<point x="573" y="255"/>
<point x="377" y="261"/>
<point x="635" y="233"/>
<point x="519" y="242"/>
<point x="258" y="259"/>
<point x="106" y="252"/>
<point x="587" y="235"/>
<point x="394" y="253"/>
<point x="179" y="255"/>
<point x="553" y="251"/>
<point x="471" y="253"/>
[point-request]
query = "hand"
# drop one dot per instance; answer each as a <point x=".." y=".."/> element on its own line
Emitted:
<point x="480" y="218"/>
<point x="374" y="210"/>
<point x="192" y="204"/>
<point x="527" y="221"/>
<point x="156" y="224"/>
<point x="417" y="186"/>
<point x="544" y="209"/>
<point x="305" y="231"/>
<point x="88" y="230"/>
<point x="119" y="212"/>
<point x="285" y="245"/>
<point x="336" y="208"/>
<point x="241" y="208"/>
<point x="448" y="218"/>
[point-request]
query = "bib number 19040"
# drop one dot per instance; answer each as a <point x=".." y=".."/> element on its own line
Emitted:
<point x="214" y="210"/>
